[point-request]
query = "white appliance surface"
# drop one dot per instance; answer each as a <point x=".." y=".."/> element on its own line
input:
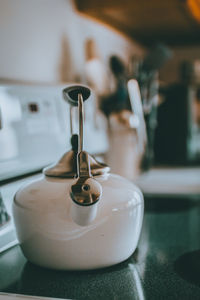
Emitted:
<point x="35" y="129"/>
<point x="170" y="181"/>
<point x="5" y="296"/>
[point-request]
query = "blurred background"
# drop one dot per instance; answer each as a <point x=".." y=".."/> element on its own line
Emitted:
<point x="142" y="62"/>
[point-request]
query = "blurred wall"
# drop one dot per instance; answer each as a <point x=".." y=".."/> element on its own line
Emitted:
<point x="170" y="72"/>
<point x="43" y="41"/>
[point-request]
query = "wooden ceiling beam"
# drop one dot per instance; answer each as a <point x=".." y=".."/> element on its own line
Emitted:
<point x="90" y="5"/>
<point x="194" y="8"/>
<point x="172" y="21"/>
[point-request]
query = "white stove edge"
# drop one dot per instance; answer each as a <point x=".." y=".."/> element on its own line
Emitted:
<point x="8" y="236"/>
<point x="8" y="296"/>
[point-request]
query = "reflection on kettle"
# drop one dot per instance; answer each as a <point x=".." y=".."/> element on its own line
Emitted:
<point x="108" y="283"/>
<point x="78" y="216"/>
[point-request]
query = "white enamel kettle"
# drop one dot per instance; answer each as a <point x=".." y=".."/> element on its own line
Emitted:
<point x="78" y="216"/>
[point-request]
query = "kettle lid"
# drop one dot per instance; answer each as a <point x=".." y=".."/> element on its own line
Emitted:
<point x="66" y="167"/>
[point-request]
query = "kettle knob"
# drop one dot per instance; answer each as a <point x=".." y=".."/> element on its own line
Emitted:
<point x="70" y="94"/>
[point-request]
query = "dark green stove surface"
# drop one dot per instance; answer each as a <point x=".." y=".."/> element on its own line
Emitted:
<point x="166" y="264"/>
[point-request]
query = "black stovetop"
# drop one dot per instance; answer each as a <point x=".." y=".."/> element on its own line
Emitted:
<point x="166" y="264"/>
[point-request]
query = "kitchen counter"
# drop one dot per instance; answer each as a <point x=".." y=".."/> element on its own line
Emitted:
<point x="166" y="264"/>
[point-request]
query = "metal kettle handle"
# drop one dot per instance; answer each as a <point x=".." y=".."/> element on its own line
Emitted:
<point x="82" y="157"/>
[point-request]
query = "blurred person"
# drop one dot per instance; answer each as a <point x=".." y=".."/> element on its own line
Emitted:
<point x="118" y="101"/>
<point x="124" y="155"/>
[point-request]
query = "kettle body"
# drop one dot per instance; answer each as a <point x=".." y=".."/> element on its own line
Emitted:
<point x="49" y="236"/>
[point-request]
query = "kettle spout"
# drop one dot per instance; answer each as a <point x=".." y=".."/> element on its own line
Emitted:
<point x="85" y="195"/>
